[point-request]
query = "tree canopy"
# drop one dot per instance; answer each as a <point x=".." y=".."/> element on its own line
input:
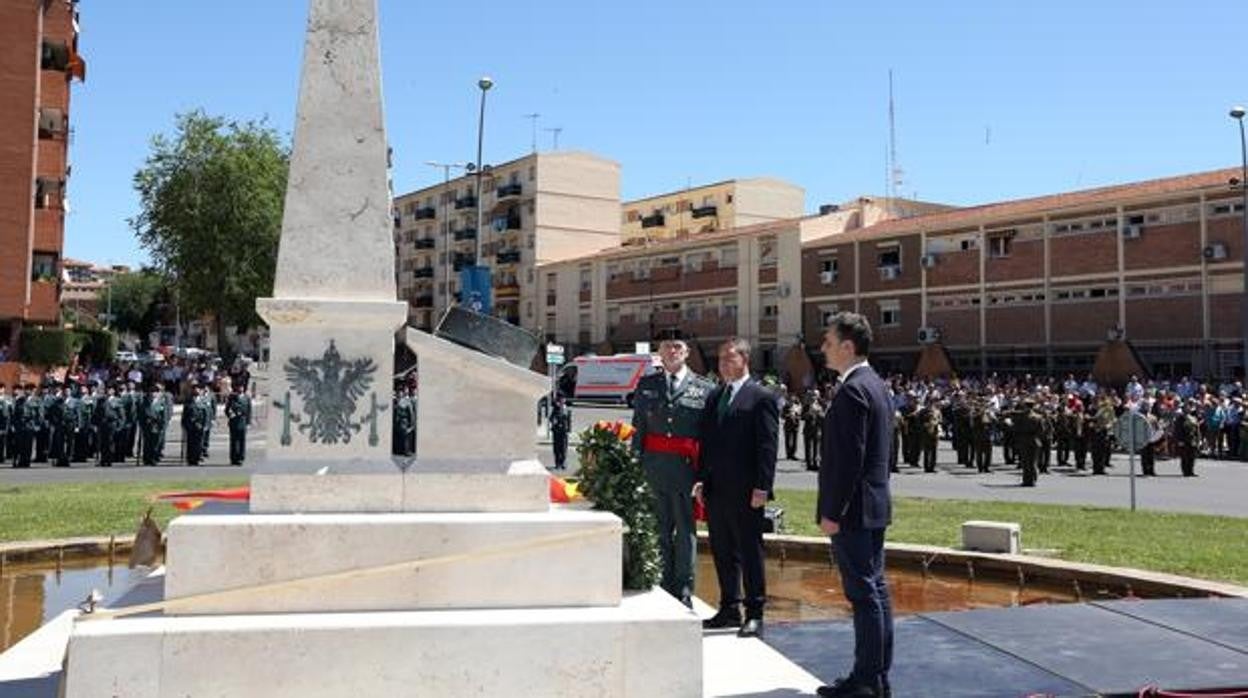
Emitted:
<point x="135" y="301"/>
<point x="211" y="198"/>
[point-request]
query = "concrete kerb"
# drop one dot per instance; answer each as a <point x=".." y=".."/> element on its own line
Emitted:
<point x="1024" y="568"/>
<point x="811" y="548"/>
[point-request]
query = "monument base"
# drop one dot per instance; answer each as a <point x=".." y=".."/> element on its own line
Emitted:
<point x="649" y="645"/>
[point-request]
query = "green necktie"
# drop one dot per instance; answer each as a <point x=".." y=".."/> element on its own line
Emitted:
<point x="724" y="398"/>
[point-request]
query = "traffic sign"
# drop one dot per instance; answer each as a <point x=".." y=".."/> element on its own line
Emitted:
<point x="555" y="355"/>
<point x="1132" y="431"/>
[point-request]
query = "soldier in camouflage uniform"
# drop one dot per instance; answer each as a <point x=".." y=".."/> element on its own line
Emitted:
<point x="914" y="428"/>
<point x="667" y="412"/>
<point x="961" y="429"/>
<point x="1045" y="456"/>
<point x="1102" y="435"/>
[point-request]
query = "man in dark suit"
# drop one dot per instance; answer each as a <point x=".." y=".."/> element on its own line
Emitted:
<point x="854" y="506"/>
<point x="739" y="444"/>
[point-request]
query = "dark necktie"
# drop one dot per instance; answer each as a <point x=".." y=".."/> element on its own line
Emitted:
<point x="671" y="384"/>
<point x="724" y="399"/>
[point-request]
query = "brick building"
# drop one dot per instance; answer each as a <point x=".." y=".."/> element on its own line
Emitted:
<point x="38" y="60"/>
<point x="1039" y="285"/>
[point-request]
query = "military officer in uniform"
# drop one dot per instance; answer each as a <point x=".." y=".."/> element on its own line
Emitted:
<point x="929" y="437"/>
<point x="54" y="415"/>
<point x="667" y="410"/>
<point x="6" y="422"/>
<point x="403" y="420"/>
<point x="560" y="427"/>
<point x="130" y="401"/>
<point x="1028" y="433"/>
<point x="914" y="429"/>
<point x="1102" y="435"/>
<point x="153" y="418"/>
<point x="1187" y="433"/>
<point x="194" y="425"/>
<point x="26" y="423"/>
<point x="111" y="415"/>
<point x="792" y="422"/>
<point x="981" y="436"/>
<point x="42" y="435"/>
<point x="208" y="403"/>
<point x="238" y="417"/>
<point x="812" y="428"/>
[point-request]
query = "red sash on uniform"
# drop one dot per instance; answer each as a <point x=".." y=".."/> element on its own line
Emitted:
<point x="685" y="446"/>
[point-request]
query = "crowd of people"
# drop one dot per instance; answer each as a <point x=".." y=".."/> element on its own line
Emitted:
<point x="1038" y="421"/>
<point x="106" y="414"/>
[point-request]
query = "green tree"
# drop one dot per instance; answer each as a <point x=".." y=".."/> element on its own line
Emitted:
<point x="134" y="301"/>
<point x="211" y="201"/>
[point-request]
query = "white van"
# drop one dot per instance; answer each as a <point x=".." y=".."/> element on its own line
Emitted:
<point x="611" y="379"/>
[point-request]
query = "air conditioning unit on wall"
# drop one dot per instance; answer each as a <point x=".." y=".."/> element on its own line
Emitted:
<point x="929" y="335"/>
<point x="890" y="273"/>
<point x="1215" y="252"/>
<point x="1132" y="232"/>
<point x="827" y="277"/>
<point x="928" y="261"/>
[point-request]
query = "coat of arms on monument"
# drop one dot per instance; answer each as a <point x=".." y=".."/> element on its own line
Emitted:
<point x="329" y="388"/>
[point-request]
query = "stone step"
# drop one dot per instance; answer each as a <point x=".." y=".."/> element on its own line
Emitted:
<point x="649" y="645"/>
<point x="208" y="554"/>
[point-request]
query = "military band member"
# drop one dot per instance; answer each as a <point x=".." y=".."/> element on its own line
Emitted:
<point x="929" y="437"/>
<point x="1102" y="435"/>
<point x="667" y="410"/>
<point x="812" y="428"/>
<point x="914" y="428"/>
<point x="1187" y="433"/>
<point x="1028" y="428"/>
<point x="238" y="417"/>
<point x="981" y="436"/>
<point x="792" y="423"/>
<point x="1148" y="453"/>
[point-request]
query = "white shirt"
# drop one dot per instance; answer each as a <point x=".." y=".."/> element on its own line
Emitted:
<point x="735" y="387"/>
<point x="851" y="369"/>
<point x="680" y="375"/>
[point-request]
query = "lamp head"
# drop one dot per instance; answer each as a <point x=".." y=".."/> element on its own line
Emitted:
<point x="1237" y="112"/>
<point x="485" y="83"/>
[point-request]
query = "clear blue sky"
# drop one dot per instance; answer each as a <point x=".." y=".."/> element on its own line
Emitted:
<point x="995" y="99"/>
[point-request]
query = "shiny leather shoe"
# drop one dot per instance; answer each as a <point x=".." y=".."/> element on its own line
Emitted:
<point x="848" y="688"/>
<point x="722" y="619"/>
<point x="753" y="628"/>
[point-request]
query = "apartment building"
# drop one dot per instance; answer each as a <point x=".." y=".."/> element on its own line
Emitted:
<point x="1039" y="285"/>
<point x="735" y="203"/>
<point x="538" y="209"/>
<point x="39" y="60"/>
<point x="743" y="281"/>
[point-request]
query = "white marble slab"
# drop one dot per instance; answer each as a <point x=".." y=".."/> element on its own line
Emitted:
<point x="427" y="486"/>
<point x="647" y="646"/>
<point x="473" y="406"/>
<point x="215" y="553"/>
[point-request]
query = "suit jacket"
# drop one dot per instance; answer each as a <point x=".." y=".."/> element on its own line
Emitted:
<point x="857" y="438"/>
<point x="739" y="451"/>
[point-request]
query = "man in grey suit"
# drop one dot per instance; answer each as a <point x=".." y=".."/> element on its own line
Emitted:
<point x="854" y="505"/>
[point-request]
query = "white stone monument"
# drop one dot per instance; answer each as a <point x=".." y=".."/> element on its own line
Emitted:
<point x="352" y="577"/>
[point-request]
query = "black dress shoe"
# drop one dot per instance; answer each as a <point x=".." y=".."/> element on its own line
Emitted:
<point x="722" y="619"/>
<point x="849" y="688"/>
<point x="753" y="627"/>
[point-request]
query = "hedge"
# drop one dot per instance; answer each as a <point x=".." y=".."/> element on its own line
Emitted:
<point x="57" y="347"/>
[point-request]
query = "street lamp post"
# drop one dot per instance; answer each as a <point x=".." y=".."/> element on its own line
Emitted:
<point x="446" y="220"/>
<point x="485" y="84"/>
<point x="1237" y="113"/>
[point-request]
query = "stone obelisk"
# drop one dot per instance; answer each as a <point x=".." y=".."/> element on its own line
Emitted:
<point x="333" y="318"/>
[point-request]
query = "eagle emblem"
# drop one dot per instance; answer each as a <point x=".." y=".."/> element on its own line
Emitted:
<point x="329" y="387"/>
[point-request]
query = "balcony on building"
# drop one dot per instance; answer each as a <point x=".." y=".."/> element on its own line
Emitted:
<point x="652" y="221"/>
<point x="510" y="221"/>
<point x="424" y="243"/>
<point x="52" y="123"/>
<point x="705" y="211"/>
<point x="508" y="257"/>
<point x="465" y="202"/>
<point x="465" y="234"/>
<point x="423" y="273"/>
<point x="425" y="213"/>
<point x="423" y="301"/>
<point x="459" y="261"/>
<point x="510" y="190"/>
<point x="586" y="293"/>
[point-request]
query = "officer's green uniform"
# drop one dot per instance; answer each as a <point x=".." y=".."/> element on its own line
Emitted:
<point x="1187" y="431"/>
<point x="929" y="437"/>
<point x="1045" y="457"/>
<point x="1102" y="435"/>
<point x="153" y="418"/>
<point x="6" y="419"/>
<point x="666" y="412"/>
<point x="792" y="422"/>
<point x="812" y="430"/>
<point x="981" y="436"/>
<point x="1028" y="431"/>
<point x="914" y="428"/>
<point x="27" y="418"/>
<point x="111" y="413"/>
<point x="58" y="451"/>
<point x="194" y="423"/>
<point x="238" y="414"/>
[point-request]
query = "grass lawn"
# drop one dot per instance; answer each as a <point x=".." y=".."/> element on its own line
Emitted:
<point x="1211" y="547"/>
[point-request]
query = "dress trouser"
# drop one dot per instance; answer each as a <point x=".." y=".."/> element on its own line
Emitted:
<point x="736" y="533"/>
<point x="860" y="557"/>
